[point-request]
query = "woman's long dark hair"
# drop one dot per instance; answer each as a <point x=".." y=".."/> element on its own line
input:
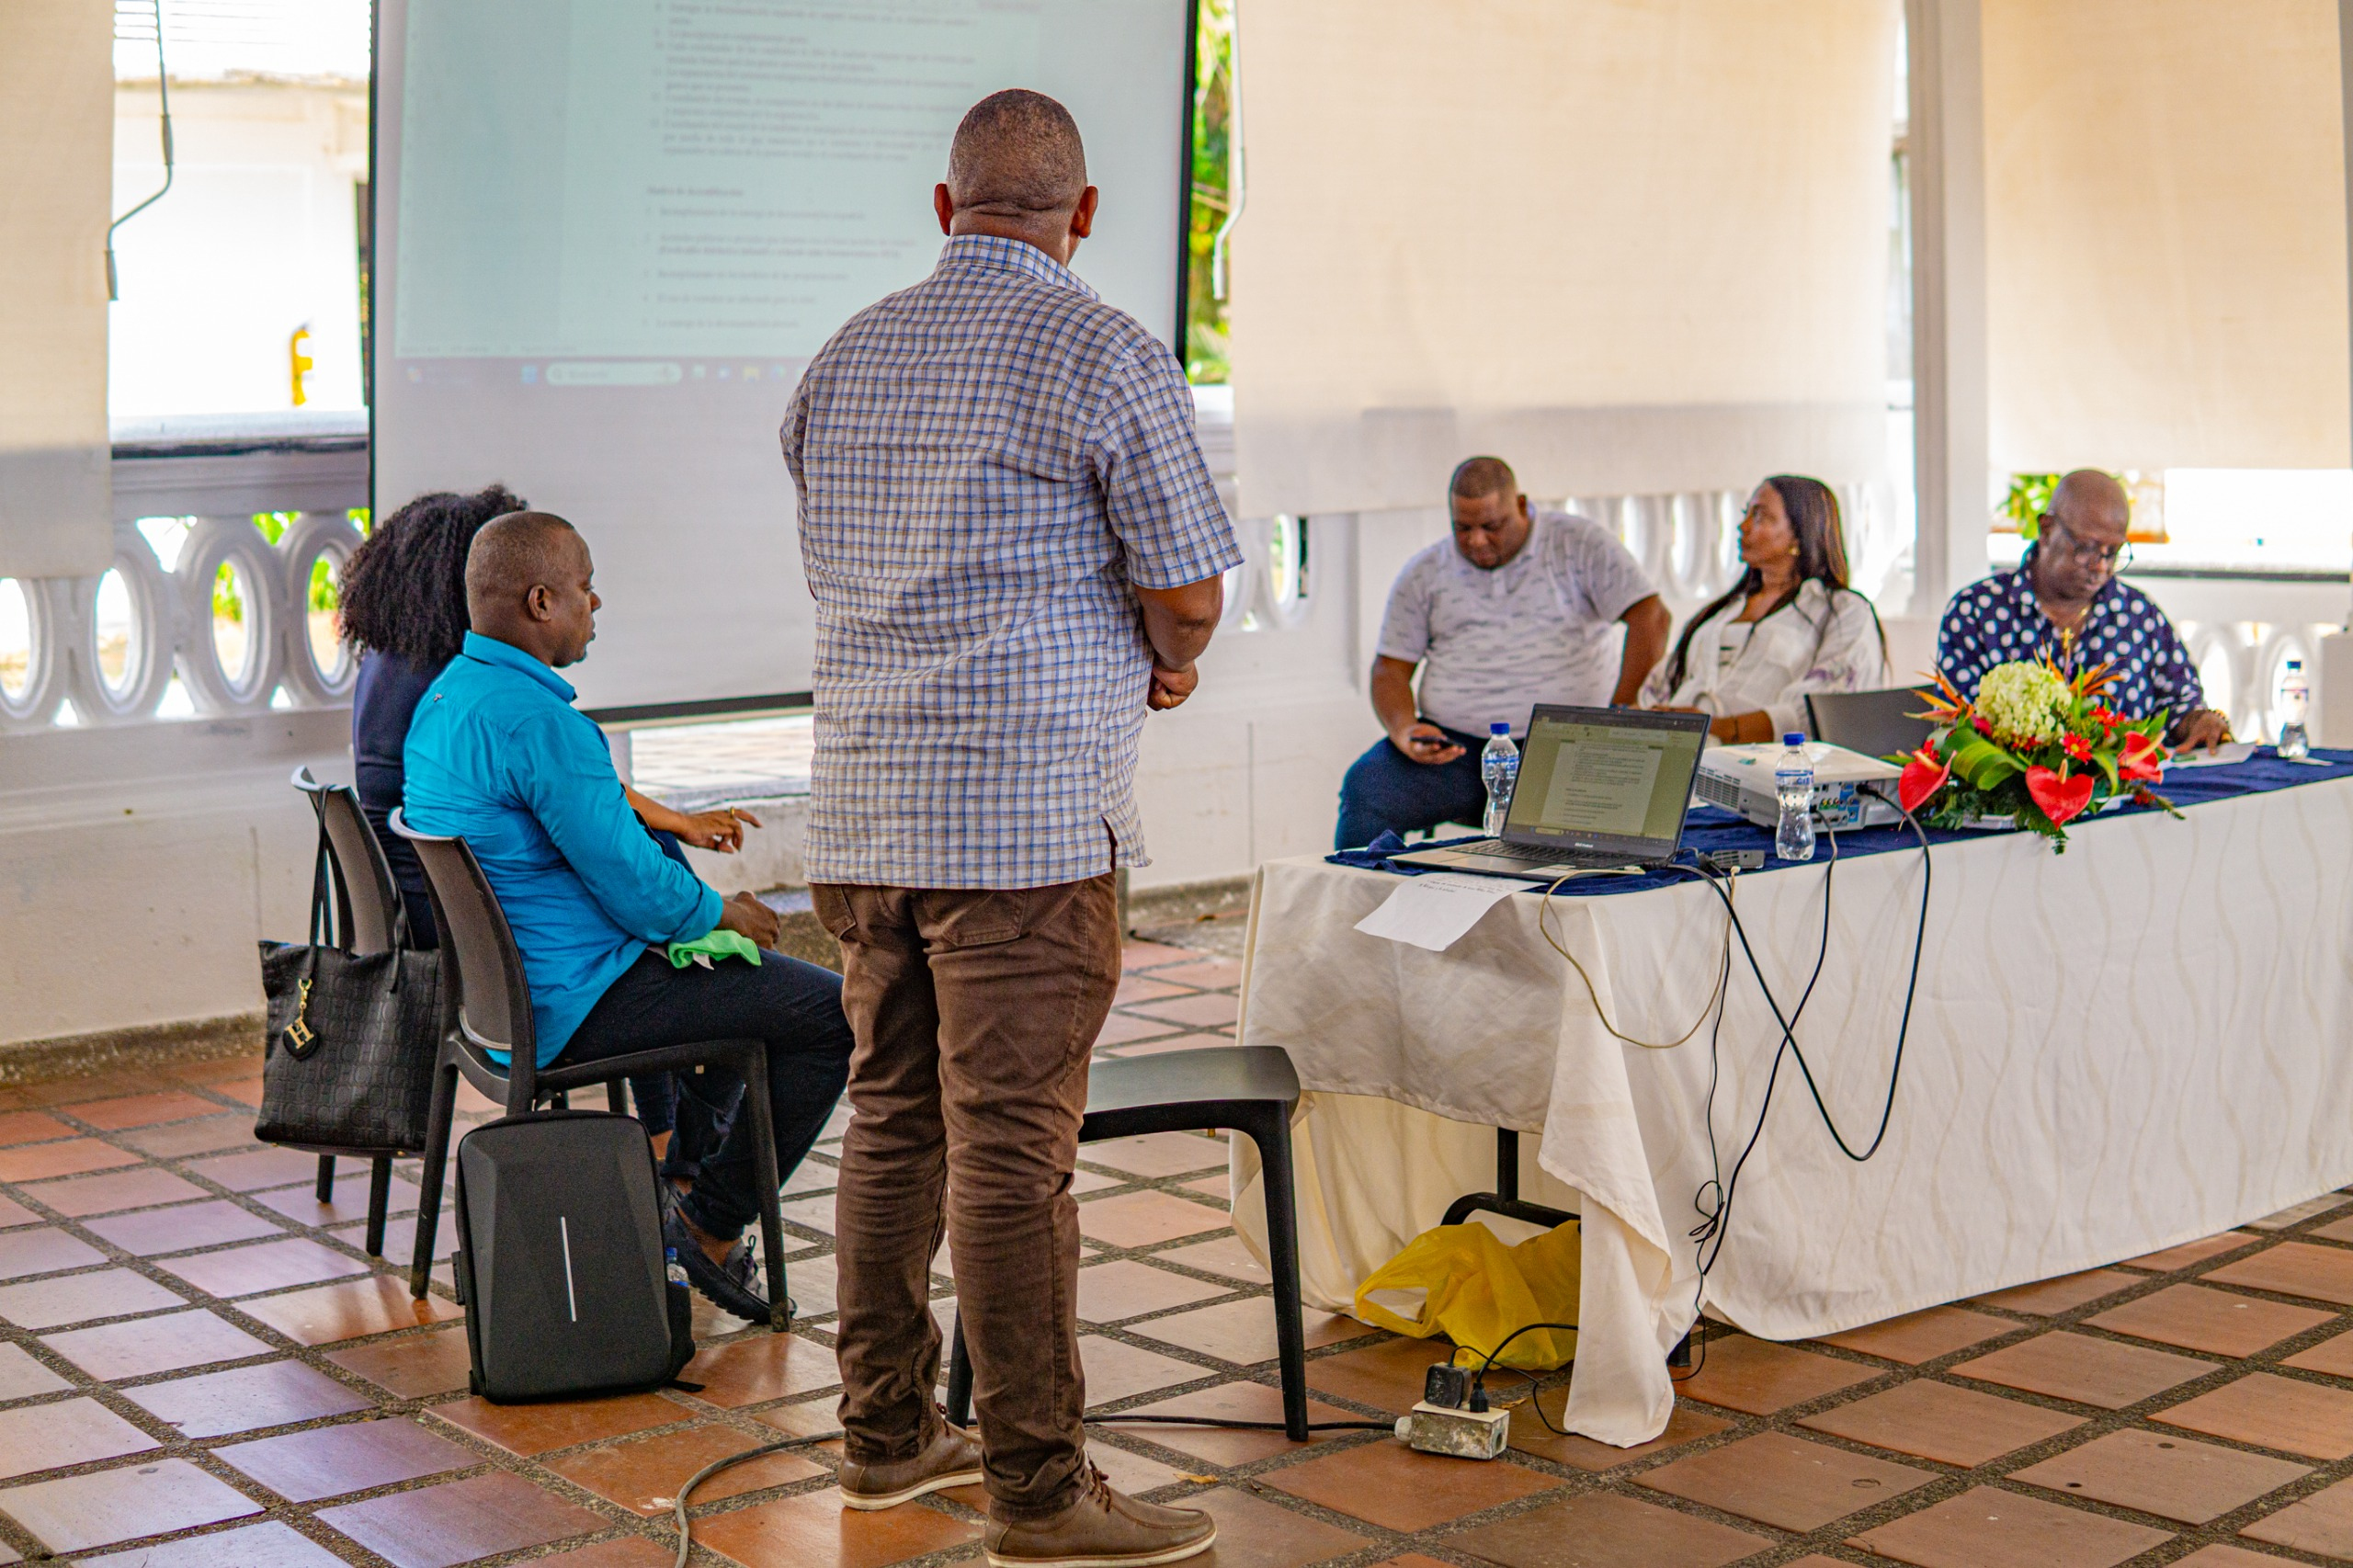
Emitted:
<point x="1812" y="507"/>
<point x="405" y="588"/>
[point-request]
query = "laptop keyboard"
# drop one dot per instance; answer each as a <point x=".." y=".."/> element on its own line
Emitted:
<point x="1531" y="855"/>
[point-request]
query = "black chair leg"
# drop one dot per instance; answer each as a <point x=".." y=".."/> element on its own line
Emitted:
<point x="325" y="1189"/>
<point x="380" y="1198"/>
<point x="768" y="1179"/>
<point x="1271" y="1131"/>
<point x="959" y="1375"/>
<point x="436" y="1154"/>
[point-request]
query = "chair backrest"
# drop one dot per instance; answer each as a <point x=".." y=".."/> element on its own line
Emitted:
<point x="1876" y="723"/>
<point x="370" y="918"/>
<point x="493" y="1000"/>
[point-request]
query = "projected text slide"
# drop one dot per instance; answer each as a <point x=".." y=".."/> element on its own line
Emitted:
<point x="699" y="179"/>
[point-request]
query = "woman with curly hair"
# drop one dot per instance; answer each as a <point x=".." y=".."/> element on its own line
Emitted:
<point x="404" y="615"/>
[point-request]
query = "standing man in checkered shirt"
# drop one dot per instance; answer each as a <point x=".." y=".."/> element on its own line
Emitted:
<point x="1015" y="550"/>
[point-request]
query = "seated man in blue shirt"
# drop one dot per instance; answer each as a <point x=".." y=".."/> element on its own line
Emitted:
<point x="2064" y="602"/>
<point x="498" y="756"/>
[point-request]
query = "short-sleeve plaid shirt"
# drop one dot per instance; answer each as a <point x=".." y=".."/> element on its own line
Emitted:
<point x="986" y="462"/>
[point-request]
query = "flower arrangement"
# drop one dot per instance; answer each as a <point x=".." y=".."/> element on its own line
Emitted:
<point x="2035" y="746"/>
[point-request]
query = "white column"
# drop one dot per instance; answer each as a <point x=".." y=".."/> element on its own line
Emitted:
<point x="2332" y="681"/>
<point x="1946" y="147"/>
<point x="56" y="178"/>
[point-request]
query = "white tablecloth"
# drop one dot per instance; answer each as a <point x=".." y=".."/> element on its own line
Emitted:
<point x="2137" y="1042"/>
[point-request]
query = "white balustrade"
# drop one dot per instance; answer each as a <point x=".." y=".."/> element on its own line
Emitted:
<point x="111" y="643"/>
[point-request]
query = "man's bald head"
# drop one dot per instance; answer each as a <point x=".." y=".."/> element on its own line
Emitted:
<point x="1483" y="476"/>
<point x="1018" y="157"/>
<point x="512" y="552"/>
<point x="2092" y="498"/>
<point x="528" y="586"/>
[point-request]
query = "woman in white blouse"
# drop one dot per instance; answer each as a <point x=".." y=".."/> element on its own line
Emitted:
<point x="1789" y="626"/>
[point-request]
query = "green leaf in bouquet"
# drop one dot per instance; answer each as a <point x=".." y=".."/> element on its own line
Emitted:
<point x="1985" y="765"/>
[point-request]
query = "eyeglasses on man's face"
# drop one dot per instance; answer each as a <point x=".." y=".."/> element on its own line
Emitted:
<point x="2086" y="552"/>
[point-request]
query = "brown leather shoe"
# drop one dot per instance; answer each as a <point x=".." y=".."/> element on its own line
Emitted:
<point x="1102" y="1530"/>
<point x="953" y="1459"/>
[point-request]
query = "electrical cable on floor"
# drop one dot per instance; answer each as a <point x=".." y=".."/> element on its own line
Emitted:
<point x="678" y="1504"/>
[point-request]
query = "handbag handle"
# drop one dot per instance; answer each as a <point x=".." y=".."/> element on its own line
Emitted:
<point x="319" y="932"/>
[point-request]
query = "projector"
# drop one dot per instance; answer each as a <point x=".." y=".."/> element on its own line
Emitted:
<point x="1740" y="779"/>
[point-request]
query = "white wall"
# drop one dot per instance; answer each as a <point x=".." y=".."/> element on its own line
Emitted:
<point x="139" y="866"/>
<point x="258" y="236"/>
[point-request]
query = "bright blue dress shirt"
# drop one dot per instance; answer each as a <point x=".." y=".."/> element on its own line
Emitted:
<point x="498" y="756"/>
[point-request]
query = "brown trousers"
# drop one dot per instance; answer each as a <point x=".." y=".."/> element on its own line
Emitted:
<point x="974" y="1011"/>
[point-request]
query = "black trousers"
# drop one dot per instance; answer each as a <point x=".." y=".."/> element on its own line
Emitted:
<point x="795" y="1008"/>
<point x="694" y="1107"/>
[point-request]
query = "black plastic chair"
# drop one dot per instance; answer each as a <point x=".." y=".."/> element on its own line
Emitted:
<point x="490" y="1009"/>
<point x="1252" y="1089"/>
<point x="366" y="918"/>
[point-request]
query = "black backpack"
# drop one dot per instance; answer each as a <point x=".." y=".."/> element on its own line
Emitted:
<point x="560" y="1261"/>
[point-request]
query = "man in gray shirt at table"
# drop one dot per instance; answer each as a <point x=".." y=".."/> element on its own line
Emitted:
<point x="1517" y="608"/>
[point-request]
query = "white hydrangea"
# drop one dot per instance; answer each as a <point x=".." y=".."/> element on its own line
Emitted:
<point x="2023" y="701"/>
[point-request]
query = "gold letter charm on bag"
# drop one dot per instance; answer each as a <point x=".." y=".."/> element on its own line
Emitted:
<point x="297" y="1033"/>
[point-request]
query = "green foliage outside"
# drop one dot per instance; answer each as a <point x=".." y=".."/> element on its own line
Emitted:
<point x="228" y="603"/>
<point x="2030" y="497"/>
<point x="1205" y="329"/>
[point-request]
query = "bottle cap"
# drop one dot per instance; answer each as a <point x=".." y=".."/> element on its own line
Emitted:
<point x="1794" y="738"/>
<point x="1499" y="729"/>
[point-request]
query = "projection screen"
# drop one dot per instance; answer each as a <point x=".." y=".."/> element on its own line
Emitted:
<point x="609" y="234"/>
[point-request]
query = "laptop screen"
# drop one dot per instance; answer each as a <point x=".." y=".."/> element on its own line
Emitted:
<point x="1606" y="778"/>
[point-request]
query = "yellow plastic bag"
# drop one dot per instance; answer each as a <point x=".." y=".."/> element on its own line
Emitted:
<point x="1463" y="1282"/>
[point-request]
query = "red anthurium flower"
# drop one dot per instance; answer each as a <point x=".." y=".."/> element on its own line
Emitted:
<point x="2143" y="759"/>
<point x="2060" y="798"/>
<point x="1984" y="726"/>
<point x="1923" y="777"/>
<point x="2077" y="748"/>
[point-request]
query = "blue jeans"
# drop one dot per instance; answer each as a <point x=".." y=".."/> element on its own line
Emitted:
<point x="1387" y="789"/>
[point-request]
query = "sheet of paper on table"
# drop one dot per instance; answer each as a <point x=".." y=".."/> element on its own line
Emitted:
<point x="1434" y="912"/>
<point x="2221" y="756"/>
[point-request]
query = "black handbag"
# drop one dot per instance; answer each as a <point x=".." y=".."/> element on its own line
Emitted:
<point x="353" y="1038"/>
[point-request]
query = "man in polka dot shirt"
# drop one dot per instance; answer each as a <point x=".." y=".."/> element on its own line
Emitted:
<point x="2064" y="601"/>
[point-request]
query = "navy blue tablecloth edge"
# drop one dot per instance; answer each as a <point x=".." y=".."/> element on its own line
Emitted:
<point x="1711" y="829"/>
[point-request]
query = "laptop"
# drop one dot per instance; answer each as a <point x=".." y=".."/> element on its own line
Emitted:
<point x="1873" y="723"/>
<point x="1600" y="789"/>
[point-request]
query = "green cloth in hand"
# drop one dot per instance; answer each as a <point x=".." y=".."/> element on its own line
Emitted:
<point x="721" y="943"/>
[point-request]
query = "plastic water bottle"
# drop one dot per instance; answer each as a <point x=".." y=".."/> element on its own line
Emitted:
<point x="672" y="1268"/>
<point x="1793" y="781"/>
<point x="1499" y="766"/>
<point x="2296" y="696"/>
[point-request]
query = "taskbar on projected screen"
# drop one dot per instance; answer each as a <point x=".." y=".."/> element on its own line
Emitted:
<point x="563" y="374"/>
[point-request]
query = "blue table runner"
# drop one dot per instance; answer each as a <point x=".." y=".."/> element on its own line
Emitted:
<point x="1712" y="829"/>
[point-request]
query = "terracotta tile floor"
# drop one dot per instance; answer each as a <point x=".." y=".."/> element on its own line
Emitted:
<point x="198" y="1369"/>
